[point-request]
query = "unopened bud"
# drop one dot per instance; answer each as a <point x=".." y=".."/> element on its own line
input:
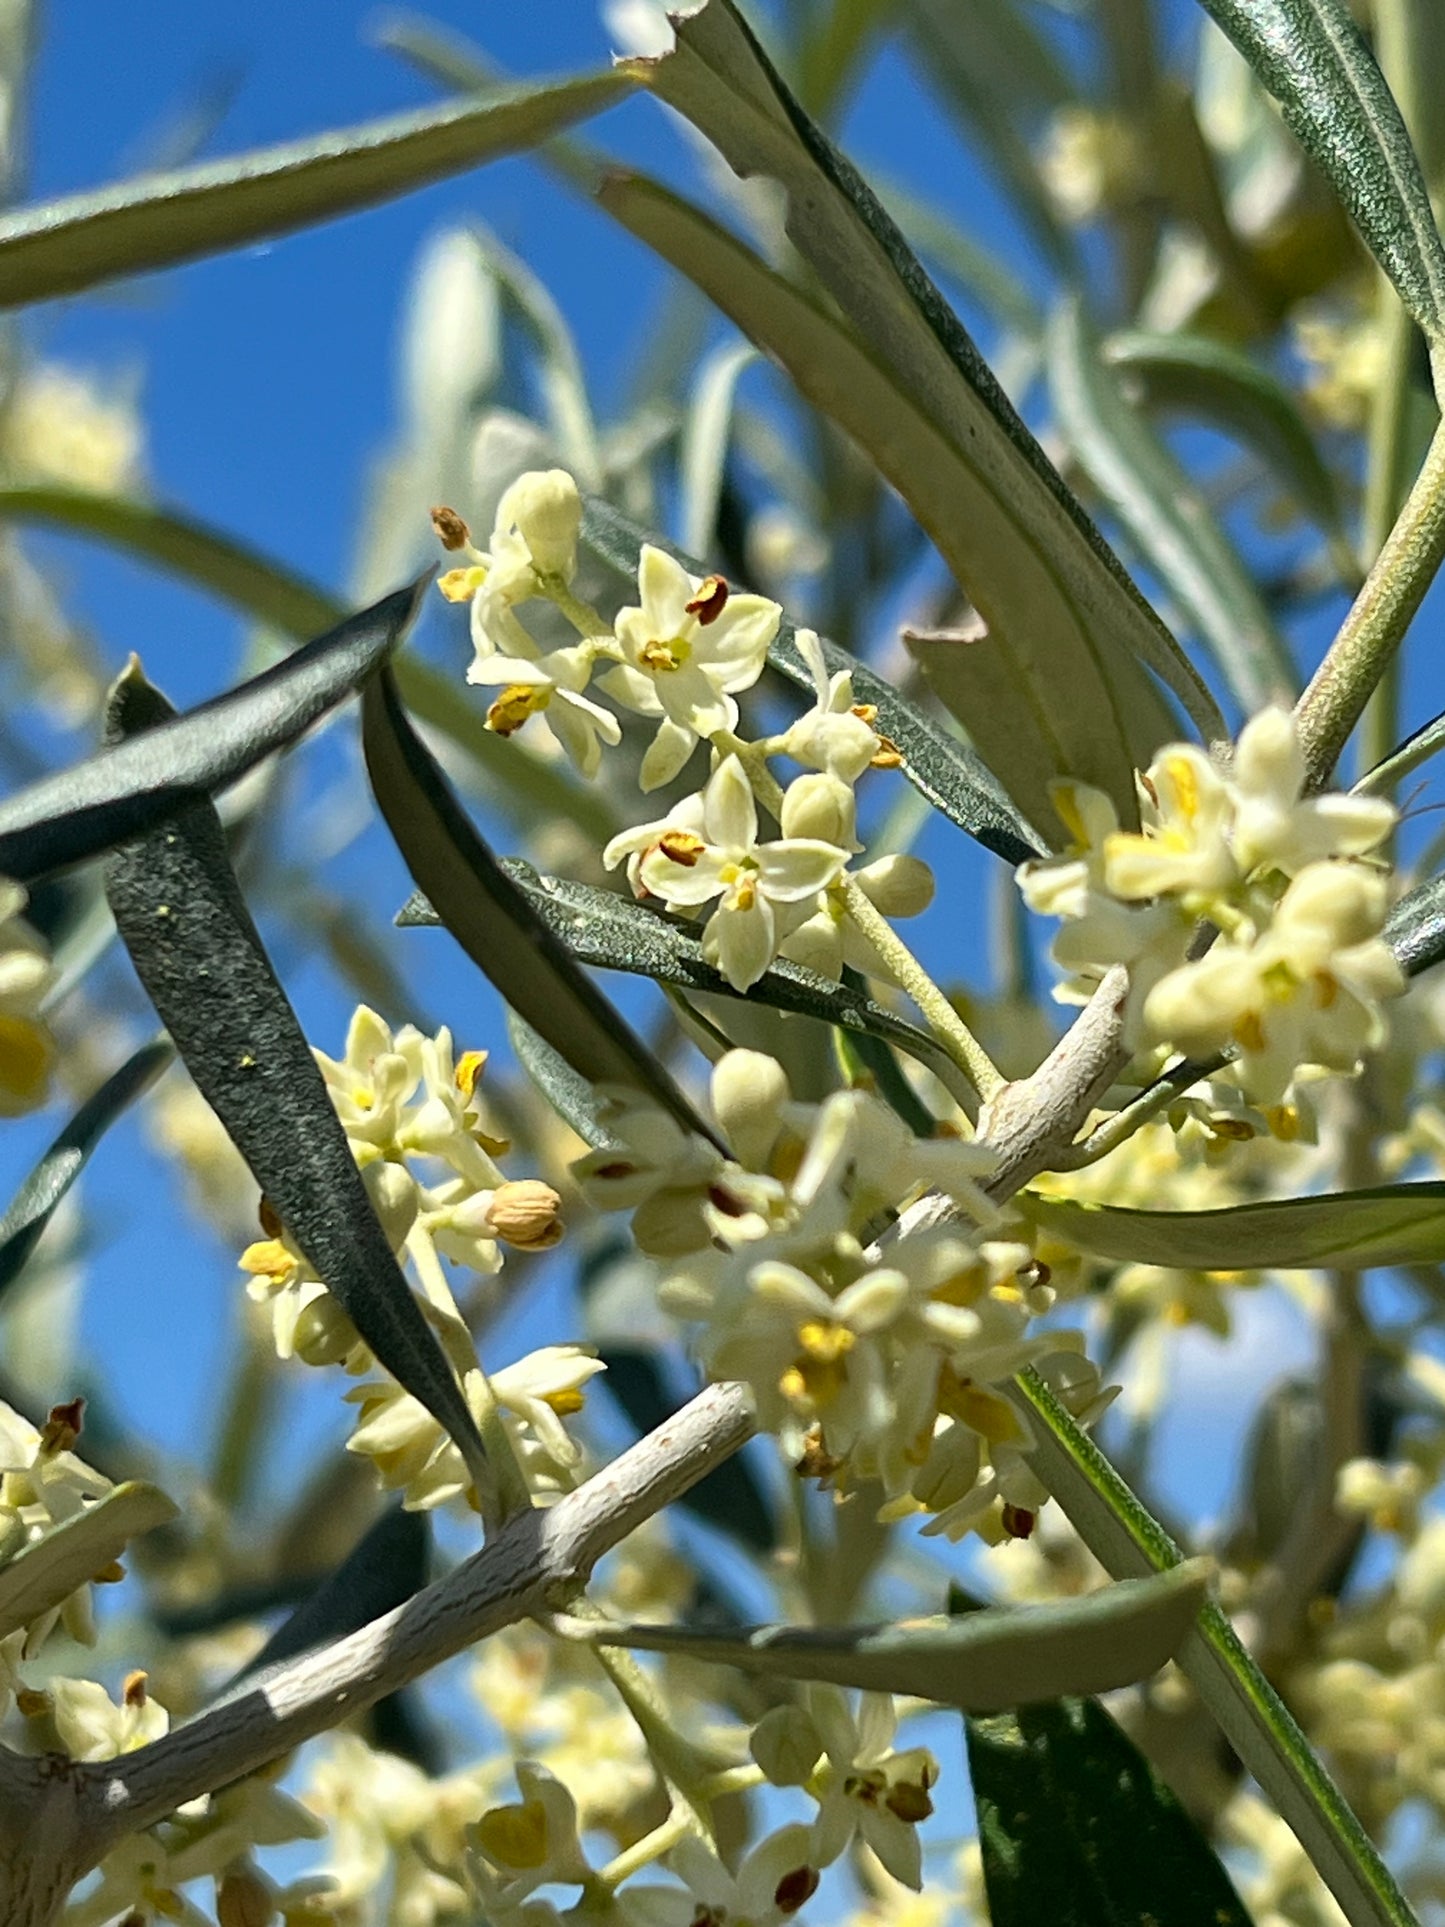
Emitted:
<point x="452" y="532"/>
<point x="671" y="1224"/>
<point x="323" y="1333"/>
<point x="526" y="1213"/>
<point x="546" y="511"/>
<point x="392" y="1190"/>
<point x="786" y="1745"/>
<point x="897" y="886"/>
<point x="749" y="1091"/>
<point x="822" y="806"/>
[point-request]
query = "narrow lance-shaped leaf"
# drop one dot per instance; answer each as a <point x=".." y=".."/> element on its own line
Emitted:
<point x="278" y="596"/>
<point x="1312" y="58"/>
<point x="35" y="1202"/>
<point x="50" y="1569"/>
<point x="941" y="768"/>
<point x="1391" y="771"/>
<point x="1060" y="610"/>
<point x="984" y="1662"/>
<point x="1415" y="928"/>
<point x="1167" y="516"/>
<point x="1074" y="1825"/>
<point x="197" y="952"/>
<point x="1393" y="1224"/>
<point x="491" y="917"/>
<point x="601" y="928"/>
<point x="131" y="786"/>
<point x="158" y="220"/>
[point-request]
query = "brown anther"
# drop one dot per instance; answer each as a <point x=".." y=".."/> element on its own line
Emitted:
<point x="621" y="1169"/>
<point x="816" y="1462"/>
<point x="517" y="702"/>
<point x="795" y="1889"/>
<point x="1148" y="787"/>
<point x="62" y="1427"/>
<point x="452" y="531"/>
<point x="888" y="755"/>
<point x="133" y="1689"/>
<point x="908" y="1802"/>
<point x="32" y="1704"/>
<point x="1019" y="1522"/>
<point x="680" y="847"/>
<point x="865" y="712"/>
<point x="270" y="1222"/>
<point x="1036" y="1273"/>
<point x="725" y="1202"/>
<point x="710" y="601"/>
<point x="110" y="1575"/>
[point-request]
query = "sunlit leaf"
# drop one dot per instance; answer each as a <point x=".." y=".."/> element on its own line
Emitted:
<point x="47" y="1571"/>
<point x="1389" y="773"/>
<point x="493" y="919"/>
<point x="1415" y="928"/>
<point x="1393" y="1224"/>
<point x="1074" y="1825"/>
<point x="901" y="375"/>
<point x="612" y="932"/>
<point x="984" y="1662"/>
<point x="200" y="958"/>
<point x="35" y="1202"/>
<point x="1312" y="58"/>
<point x="130" y="787"/>
<point x="158" y="220"/>
<point x="1167" y="516"/>
<point x="940" y="767"/>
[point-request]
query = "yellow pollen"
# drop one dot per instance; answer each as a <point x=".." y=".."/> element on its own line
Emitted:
<point x="825" y="1342"/>
<point x="24" y="1058"/>
<point x="982" y="1411"/>
<point x="1066" y="806"/>
<point x="564" y="1403"/>
<point x="470" y="1066"/>
<point x="681" y="846"/>
<point x="1249" y="1032"/>
<point x="745" y="891"/>
<point x="460" y="585"/>
<point x="1280" y="981"/>
<point x="517" y="702"/>
<point x="1185" y="779"/>
<point x="663" y="657"/>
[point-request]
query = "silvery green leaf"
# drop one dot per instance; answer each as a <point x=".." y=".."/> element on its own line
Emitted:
<point x="47" y="1571"/>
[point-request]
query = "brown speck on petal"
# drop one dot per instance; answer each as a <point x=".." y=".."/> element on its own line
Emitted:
<point x="710" y="601"/>
<point x="62" y="1426"/>
<point x="133" y="1688"/>
<point x="795" y="1888"/>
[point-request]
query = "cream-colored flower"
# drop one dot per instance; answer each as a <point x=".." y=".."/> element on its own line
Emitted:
<point x="90" y="1725"/>
<point x="26" y="1046"/>
<point x="42" y="1485"/>
<point x="687" y="649"/>
<point x="551" y="686"/>
<point x="833" y="735"/>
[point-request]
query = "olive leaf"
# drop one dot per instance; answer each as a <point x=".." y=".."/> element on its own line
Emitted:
<point x="1391" y="1224"/>
<point x="903" y="377"/>
<point x="1074" y="1825"/>
<point x="36" y="1201"/>
<point x="46" y="1572"/>
<point x="983" y="1663"/>
<point x="159" y="220"/>
<point x="200" y="958"/>
<point x="1312" y="58"/>
<point x="130" y="787"/>
<point x="1415" y="928"/>
<point x="494" y="920"/>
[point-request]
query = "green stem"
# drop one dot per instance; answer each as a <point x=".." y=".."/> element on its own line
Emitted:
<point x="1129" y="1542"/>
<point x="1361" y="653"/>
<point x="943" y="1020"/>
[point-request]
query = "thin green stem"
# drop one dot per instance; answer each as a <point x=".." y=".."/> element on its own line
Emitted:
<point x="1361" y="653"/>
<point x="953" y="1035"/>
<point x="1129" y="1542"/>
<point x="1119" y="1128"/>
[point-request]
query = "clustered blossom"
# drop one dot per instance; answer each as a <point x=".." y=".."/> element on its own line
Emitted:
<point x="43" y="1485"/>
<point x="410" y="1113"/>
<point x="680" y="657"/>
<point x="1297" y="971"/>
<point x="870" y="1363"/>
<point x="26" y="1046"/>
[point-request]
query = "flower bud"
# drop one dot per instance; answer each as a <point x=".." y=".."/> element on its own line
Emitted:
<point x="671" y="1223"/>
<point x="392" y="1190"/>
<point x="749" y="1091"/>
<point x="526" y="1213"/>
<point x="546" y="511"/>
<point x="817" y="944"/>
<point x="323" y="1334"/>
<point x="897" y="886"/>
<point x="245" y="1898"/>
<point x="786" y="1745"/>
<point x="822" y="806"/>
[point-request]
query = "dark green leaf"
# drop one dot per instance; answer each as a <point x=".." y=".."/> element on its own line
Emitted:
<point x="983" y="1662"/>
<point x="1394" y="1224"/>
<point x="31" y="1207"/>
<point x="869" y="1062"/>
<point x="130" y="787"/>
<point x="386" y="1566"/>
<point x="1167" y="516"/>
<point x="277" y="596"/>
<point x="1386" y="776"/>
<point x="493" y="919"/>
<point x="1076" y="1828"/>
<point x="158" y="220"/>
<point x="612" y="932"/>
<point x="1197" y="376"/>
<point x="941" y="768"/>
<point x="1311" y="57"/>
<point x="903" y="376"/>
<point x="571" y="1097"/>
<point x="195" y="949"/>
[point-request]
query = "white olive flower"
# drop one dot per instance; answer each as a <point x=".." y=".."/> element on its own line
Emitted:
<point x="1275" y="824"/>
<point x="26" y="1046"/>
<point x="533" y="1842"/>
<point x="551" y="686"/>
<point x="835" y="735"/>
<point x="43" y="1484"/>
<point x="777" y="1877"/>
<point x="868" y="1789"/>
<point x="533" y="547"/>
<point x="686" y="651"/>
<point x="90" y="1725"/>
<point x="722" y="860"/>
